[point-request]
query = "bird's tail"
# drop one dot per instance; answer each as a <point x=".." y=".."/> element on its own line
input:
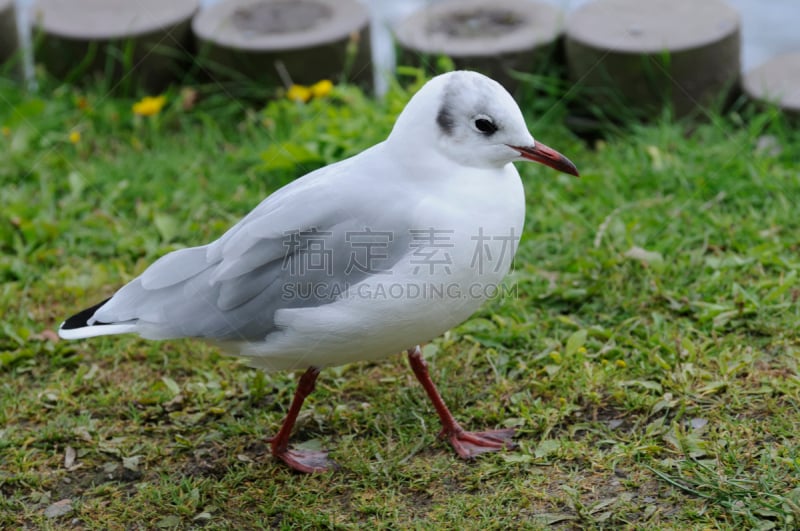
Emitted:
<point x="78" y="326"/>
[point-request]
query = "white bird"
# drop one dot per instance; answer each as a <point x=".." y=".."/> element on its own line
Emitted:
<point x="358" y="260"/>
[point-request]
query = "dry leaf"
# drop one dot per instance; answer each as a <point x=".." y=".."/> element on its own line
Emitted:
<point x="652" y="258"/>
<point x="69" y="457"/>
<point x="59" y="508"/>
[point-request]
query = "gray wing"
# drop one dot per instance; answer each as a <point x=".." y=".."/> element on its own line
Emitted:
<point x="294" y="250"/>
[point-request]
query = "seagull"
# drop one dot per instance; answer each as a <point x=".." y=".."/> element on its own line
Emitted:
<point x="361" y="259"/>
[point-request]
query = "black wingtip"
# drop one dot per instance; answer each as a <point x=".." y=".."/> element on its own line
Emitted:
<point x="80" y="319"/>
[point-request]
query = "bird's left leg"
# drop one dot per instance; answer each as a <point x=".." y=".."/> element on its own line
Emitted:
<point x="308" y="461"/>
<point x="466" y="443"/>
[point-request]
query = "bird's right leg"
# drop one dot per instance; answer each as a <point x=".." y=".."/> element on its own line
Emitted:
<point x="307" y="461"/>
<point x="467" y="444"/>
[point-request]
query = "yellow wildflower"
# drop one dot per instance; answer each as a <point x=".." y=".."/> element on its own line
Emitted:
<point x="149" y="105"/>
<point x="75" y="136"/>
<point x="299" y="93"/>
<point x="621" y="364"/>
<point x="320" y="89"/>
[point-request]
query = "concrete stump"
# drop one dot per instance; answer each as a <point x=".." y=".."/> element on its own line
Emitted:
<point x="494" y="38"/>
<point x="635" y="55"/>
<point x="310" y="39"/>
<point x="777" y="81"/>
<point x="140" y="43"/>
<point x="8" y="30"/>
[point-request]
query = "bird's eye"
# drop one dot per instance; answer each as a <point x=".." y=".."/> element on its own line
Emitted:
<point x="485" y="126"/>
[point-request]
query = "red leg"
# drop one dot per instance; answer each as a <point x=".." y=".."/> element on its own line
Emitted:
<point x="308" y="461"/>
<point x="467" y="444"/>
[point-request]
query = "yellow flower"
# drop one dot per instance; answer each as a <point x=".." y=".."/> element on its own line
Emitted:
<point x="320" y="89"/>
<point x="148" y="106"/>
<point x="75" y="136"/>
<point x="621" y="364"/>
<point x="299" y="93"/>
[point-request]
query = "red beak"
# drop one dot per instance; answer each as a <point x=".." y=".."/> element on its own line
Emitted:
<point x="547" y="156"/>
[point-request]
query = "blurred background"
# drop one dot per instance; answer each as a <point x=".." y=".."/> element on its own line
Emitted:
<point x="769" y="28"/>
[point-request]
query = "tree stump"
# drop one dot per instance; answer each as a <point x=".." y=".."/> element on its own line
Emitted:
<point x="310" y="39"/>
<point x="142" y="43"/>
<point x="777" y="81"/>
<point x="8" y="30"/>
<point x="632" y="56"/>
<point x="495" y="38"/>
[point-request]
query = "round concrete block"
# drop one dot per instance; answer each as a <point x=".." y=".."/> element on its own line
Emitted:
<point x="311" y="39"/>
<point x="776" y="81"/>
<point x="638" y="55"/>
<point x="142" y="43"/>
<point x="495" y="37"/>
<point x="8" y="30"/>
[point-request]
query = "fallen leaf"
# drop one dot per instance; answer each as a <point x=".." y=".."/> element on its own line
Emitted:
<point x="310" y="444"/>
<point x="517" y="458"/>
<point x="49" y="397"/>
<point x="175" y="404"/>
<point x="171" y="384"/>
<point x="546" y="448"/>
<point x="59" y="508"/>
<point x="204" y="516"/>
<point x="651" y="258"/>
<point x="553" y="518"/>
<point x="169" y="521"/>
<point x="132" y="462"/>
<point x="93" y="370"/>
<point x="575" y="341"/>
<point x="69" y="457"/>
<point x="83" y="433"/>
<point x="644" y="384"/>
<point x="602" y="504"/>
<point x="108" y="447"/>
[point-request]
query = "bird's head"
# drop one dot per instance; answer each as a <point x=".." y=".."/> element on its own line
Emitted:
<point x="472" y="120"/>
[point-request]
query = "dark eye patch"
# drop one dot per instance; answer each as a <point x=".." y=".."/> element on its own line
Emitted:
<point x="485" y="126"/>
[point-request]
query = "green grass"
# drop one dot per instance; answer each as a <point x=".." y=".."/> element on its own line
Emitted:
<point x="649" y="355"/>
